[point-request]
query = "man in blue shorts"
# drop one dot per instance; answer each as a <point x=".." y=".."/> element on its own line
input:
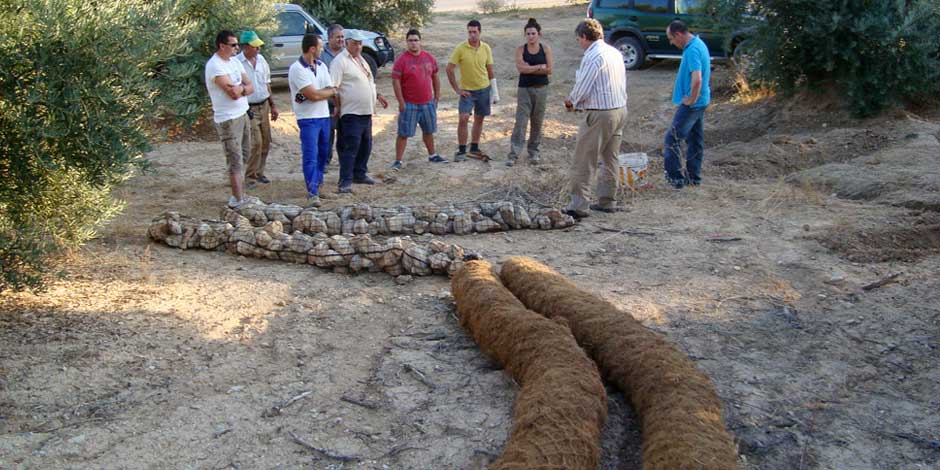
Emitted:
<point x="477" y="81"/>
<point x="414" y="78"/>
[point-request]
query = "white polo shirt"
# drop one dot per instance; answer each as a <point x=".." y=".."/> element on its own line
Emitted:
<point x="260" y="76"/>
<point x="301" y="75"/>
<point x="223" y="107"/>
<point x="355" y="83"/>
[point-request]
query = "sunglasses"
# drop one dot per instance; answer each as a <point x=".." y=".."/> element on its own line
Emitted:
<point x="231" y="44"/>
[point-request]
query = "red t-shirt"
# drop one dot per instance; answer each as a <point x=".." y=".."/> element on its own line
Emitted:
<point x="415" y="73"/>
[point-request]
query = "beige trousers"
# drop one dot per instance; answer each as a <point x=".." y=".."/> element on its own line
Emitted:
<point x="260" y="141"/>
<point x="599" y="137"/>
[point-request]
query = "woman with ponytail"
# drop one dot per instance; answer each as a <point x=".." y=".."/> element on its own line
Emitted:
<point x="534" y="63"/>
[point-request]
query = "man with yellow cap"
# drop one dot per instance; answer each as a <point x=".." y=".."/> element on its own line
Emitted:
<point x="260" y="106"/>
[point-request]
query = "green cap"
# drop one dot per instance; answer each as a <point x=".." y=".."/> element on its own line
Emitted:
<point x="251" y="38"/>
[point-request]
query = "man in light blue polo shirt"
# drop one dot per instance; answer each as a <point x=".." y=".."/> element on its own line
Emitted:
<point x="691" y="94"/>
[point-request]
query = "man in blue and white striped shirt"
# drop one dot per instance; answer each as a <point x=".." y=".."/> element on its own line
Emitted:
<point x="600" y="90"/>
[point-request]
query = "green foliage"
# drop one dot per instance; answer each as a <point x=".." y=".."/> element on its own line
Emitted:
<point x="75" y="91"/>
<point x="81" y="81"/>
<point x="181" y="85"/>
<point x="374" y="15"/>
<point x="875" y="52"/>
<point x="22" y="260"/>
<point x="491" y="6"/>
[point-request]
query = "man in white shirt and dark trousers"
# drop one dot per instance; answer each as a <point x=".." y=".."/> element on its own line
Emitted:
<point x="310" y="88"/>
<point x="261" y="106"/>
<point x="356" y="101"/>
<point x="600" y="90"/>
<point x="228" y="87"/>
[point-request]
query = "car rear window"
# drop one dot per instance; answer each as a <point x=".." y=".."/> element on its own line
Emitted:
<point x="291" y="24"/>
<point x="652" y="6"/>
<point x="613" y="3"/>
<point x="689" y="7"/>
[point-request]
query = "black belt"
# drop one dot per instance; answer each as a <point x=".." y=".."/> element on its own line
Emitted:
<point x="258" y="104"/>
<point x="596" y="109"/>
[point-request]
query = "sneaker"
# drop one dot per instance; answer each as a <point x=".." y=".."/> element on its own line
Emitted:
<point x="437" y="159"/>
<point x="535" y="161"/>
<point x="364" y="180"/>
<point x="396" y="166"/>
<point x="263" y="179"/>
<point x="578" y="215"/>
<point x="313" y="201"/>
<point x="235" y="204"/>
<point x="675" y="183"/>
<point x="251" y="184"/>
<point x="460" y="156"/>
<point x="345" y="189"/>
<point x="511" y="161"/>
<point x="607" y="209"/>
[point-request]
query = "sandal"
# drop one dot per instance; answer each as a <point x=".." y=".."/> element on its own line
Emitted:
<point x="479" y="155"/>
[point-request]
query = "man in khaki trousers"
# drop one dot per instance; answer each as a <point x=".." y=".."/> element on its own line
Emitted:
<point x="260" y="104"/>
<point x="600" y="90"/>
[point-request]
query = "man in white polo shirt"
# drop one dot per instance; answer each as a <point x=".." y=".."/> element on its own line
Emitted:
<point x="260" y="105"/>
<point x="228" y="86"/>
<point x="357" y="96"/>
<point x="310" y="88"/>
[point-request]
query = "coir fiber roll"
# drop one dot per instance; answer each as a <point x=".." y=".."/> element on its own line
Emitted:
<point x="562" y="404"/>
<point x="679" y="410"/>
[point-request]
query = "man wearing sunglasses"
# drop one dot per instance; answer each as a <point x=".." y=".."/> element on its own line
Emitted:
<point x="228" y="87"/>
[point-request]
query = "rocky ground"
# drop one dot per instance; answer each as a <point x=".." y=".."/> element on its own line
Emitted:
<point x="145" y="356"/>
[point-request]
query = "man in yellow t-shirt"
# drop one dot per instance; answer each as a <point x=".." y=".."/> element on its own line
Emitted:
<point x="475" y="60"/>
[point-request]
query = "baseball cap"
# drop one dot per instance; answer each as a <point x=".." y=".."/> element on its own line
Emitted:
<point x="355" y="35"/>
<point x="251" y="38"/>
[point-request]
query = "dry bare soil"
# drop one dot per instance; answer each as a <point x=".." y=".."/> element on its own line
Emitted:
<point x="150" y="357"/>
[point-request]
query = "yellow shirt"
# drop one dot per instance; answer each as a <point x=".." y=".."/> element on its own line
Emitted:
<point x="472" y="63"/>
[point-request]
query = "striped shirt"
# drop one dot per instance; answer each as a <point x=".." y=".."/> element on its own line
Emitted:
<point x="601" y="80"/>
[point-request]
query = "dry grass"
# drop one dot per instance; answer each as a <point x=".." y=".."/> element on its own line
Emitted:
<point x="747" y="91"/>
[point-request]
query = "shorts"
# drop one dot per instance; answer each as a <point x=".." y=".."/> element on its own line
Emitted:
<point x="479" y="102"/>
<point x="235" y="135"/>
<point x="414" y="115"/>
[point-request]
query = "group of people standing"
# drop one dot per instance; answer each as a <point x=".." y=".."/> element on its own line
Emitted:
<point x="333" y="95"/>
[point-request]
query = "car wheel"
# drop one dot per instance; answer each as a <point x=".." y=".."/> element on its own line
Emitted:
<point x="632" y="51"/>
<point x="372" y="65"/>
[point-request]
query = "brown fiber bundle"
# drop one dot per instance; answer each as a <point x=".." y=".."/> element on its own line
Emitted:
<point x="677" y="404"/>
<point x="562" y="404"/>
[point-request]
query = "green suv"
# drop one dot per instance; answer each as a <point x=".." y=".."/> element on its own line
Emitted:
<point x="638" y="28"/>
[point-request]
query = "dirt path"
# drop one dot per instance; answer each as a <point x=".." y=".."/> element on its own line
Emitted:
<point x="150" y="357"/>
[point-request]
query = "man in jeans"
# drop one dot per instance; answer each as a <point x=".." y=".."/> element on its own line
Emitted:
<point x="336" y="43"/>
<point x="691" y="94"/>
<point x="311" y="87"/>
<point x="261" y="105"/>
<point x="600" y="90"/>
<point x="228" y="87"/>
<point x="475" y="60"/>
<point x="414" y="77"/>
<point x="356" y="102"/>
